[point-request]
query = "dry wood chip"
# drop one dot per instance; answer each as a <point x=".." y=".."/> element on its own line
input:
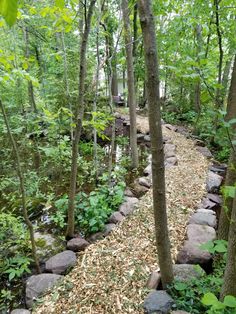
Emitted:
<point x="110" y="276"/>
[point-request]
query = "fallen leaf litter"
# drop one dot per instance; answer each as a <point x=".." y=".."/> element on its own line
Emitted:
<point x="111" y="275"/>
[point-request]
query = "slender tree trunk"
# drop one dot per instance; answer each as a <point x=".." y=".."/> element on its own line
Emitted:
<point x="158" y="168"/>
<point x="30" y="84"/>
<point x="225" y="215"/>
<point x="197" y="97"/>
<point x="79" y="113"/>
<point x="131" y="86"/>
<point x="22" y="189"/>
<point x="218" y="96"/>
<point x="229" y="282"/>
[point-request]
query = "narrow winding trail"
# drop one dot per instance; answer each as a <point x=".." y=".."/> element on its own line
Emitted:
<point x="110" y="276"/>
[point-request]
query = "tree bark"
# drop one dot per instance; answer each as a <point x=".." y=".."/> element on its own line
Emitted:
<point x="158" y="169"/>
<point x="131" y="85"/>
<point x="224" y="222"/>
<point x="30" y="84"/>
<point x="22" y="189"/>
<point x="229" y="286"/>
<point x="79" y="113"/>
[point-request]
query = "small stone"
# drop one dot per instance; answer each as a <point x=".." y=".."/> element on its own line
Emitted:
<point x="220" y="169"/>
<point x="20" y="311"/>
<point x="171" y="127"/>
<point x="59" y="263"/>
<point x="179" y="312"/>
<point x="77" y="244"/>
<point x="145" y="182"/>
<point x="116" y="217"/>
<point x="96" y="237"/>
<point x="203" y="219"/>
<point x="128" y="192"/>
<point x="206" y="211"/>
<point x="213" y="182"/>
<point x="131" y="200"/>
<point x="169" y="150"/>
<point x="154" y="280"/>
<point x="215" y="198"/>
<point x="147" y="138"/>
<point x="126" y="208"/>
<point x="158" y="302"/>
<point x="186" y="272"/>
<point x="36" y="285"/>
<point x="140" y="137"/>
<point x="206" y="203"/>
<point x="204" y="151"/>
<point x="139" y="190"/>
<point x="148" y="170"/>
<point x="108" y="229"/>
<point x="171" y="161"/>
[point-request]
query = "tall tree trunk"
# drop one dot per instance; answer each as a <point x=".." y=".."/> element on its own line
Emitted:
<point x="30" y="84"/>
<point x="218" y="95"/>
<point x="131" y="86"/>
<point x="158" y="168"/>
<point x="197" y="97"/>
<point x="79" y="113"/>
<point x="225" y="215"/>
<point x="229" y="282"/>
<point x="22" y="189"/>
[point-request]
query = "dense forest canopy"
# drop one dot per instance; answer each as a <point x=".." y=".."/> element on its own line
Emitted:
<point x="68" y="70"/>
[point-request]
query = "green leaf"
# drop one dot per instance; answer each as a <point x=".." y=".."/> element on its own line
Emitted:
<point x="8" y="9"/>
<point x="230" y="301"/>
<point x="209" y="299"/>
<point x="60" y="3"/>
<point x="180" y="286"/>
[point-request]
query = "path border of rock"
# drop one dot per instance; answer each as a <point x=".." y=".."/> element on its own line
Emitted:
<point x="201" y="228"/>
<point x="60" y="263"/>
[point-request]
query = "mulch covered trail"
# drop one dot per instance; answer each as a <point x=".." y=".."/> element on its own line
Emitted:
<point x="111" y="275"/>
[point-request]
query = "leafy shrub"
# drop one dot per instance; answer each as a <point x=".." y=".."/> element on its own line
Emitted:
<point x="91" y="211"/>
<point x="228" y="306"/>
<point x="14" y="255"/>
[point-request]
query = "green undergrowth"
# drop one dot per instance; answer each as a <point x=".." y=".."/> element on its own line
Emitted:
<point x="201" y="295"/>
<point x="217" y="139"/>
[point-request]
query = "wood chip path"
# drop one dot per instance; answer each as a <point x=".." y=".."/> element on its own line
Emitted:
<point x="110" y="276"/>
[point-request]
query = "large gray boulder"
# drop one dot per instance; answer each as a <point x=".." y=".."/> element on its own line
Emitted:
<point x="191" y="253"/>
<point x="36" y="285"/>
<point x="20" y="311"/>
<point x="200" y="218"/>
<point x="213" y="182"/>
<point x="158" y="302"/>
<point x="186" y="272"/>
<point x="77" y="244"/>
<point x="59" y="263"/>
<point x="200" y="233"/>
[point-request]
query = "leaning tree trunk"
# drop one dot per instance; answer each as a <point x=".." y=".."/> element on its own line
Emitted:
<point x="79" y="113"/>
<point x="158" y="168"/>
<point x="225" y="215"/>
<point x="22" y="189"/>
<point x="229" y="285"/>
<point x="131" y="85"/>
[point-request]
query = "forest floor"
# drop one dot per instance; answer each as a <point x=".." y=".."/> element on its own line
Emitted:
<point x="111" y="275"/>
